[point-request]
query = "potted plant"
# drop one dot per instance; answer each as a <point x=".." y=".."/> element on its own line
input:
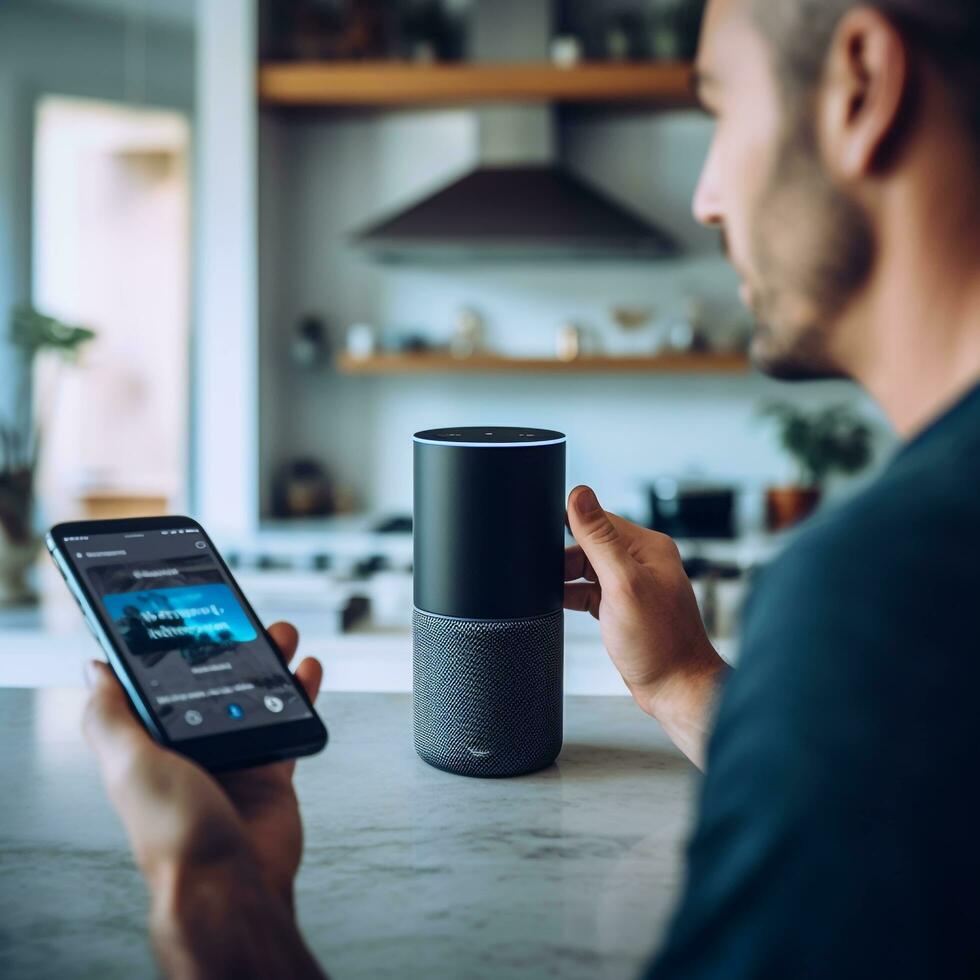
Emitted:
<point x="31" y="333"/>
<point x="821" y="442"/>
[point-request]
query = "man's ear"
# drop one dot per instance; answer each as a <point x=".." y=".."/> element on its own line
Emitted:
<point x="862" y="94"/>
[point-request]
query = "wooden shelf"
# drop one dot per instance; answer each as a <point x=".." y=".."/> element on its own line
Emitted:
<point x="386" y="83"/>
<point x="490" y="364"/>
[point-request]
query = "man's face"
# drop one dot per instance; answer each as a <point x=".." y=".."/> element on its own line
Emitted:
<point x="800" y="245"/>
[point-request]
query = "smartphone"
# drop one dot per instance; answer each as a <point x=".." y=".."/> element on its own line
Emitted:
<point x="200" y="670"/>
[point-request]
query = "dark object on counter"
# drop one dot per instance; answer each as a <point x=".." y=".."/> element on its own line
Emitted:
<point x="692" y="510"/>
<point x="368" y="566"/>
<point x="273" y="563"/>
<point x="697" y="567"/>
<point x="397" y="524"/>
<point x="712" y="582"/>
<point x="356" y="609"/>
<point x="487" y="622"/>
<point x="302" y="489"/>
<point x="786" y="506"/>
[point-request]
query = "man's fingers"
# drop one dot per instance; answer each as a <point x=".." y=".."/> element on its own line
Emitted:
<point x="602" y="542"/>
<point x="577" y="564"/>
<point x="109" y="724"/>
<point x="286" y="638"/>
<point x="583" y="597"/>
<point x="310" y="673"/>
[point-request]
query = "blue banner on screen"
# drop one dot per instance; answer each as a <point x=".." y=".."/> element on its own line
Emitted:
<point x="199" y="621"/>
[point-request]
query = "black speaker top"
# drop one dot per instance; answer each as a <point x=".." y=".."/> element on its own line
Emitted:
<point x="503" y="436"/>
<point x="489" y="521"/>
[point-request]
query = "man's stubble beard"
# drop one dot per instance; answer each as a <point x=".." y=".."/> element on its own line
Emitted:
<point x="812" y="248"/>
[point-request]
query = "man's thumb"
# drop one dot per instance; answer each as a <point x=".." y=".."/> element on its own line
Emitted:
<point x="595" y="533"/>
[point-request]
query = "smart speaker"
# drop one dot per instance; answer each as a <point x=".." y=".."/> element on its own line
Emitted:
<point x="487" y="624"/>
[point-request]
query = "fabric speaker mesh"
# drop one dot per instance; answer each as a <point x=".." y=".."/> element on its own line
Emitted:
<point x="487" y="693"/>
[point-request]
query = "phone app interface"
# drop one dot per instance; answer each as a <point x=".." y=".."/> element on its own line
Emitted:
<point x="196" y="653"/>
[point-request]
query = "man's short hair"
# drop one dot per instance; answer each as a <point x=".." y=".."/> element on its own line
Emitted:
<point x="945" y="31"/>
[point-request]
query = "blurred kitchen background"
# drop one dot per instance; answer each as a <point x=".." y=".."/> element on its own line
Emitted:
<point x="248" y="248"/>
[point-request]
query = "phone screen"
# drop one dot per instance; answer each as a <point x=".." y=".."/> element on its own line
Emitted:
<point x="198" y="653"/>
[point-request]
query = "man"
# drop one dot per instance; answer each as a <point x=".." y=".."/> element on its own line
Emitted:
<point x="837" y="834"/>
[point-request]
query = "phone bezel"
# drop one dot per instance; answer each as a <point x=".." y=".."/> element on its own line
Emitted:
<point x="217" y="752"/>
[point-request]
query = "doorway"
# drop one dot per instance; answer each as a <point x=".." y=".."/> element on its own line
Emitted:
<point x="111" y="251"/>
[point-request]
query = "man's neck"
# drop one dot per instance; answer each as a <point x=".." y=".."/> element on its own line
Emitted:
<point x="920" y="342"/>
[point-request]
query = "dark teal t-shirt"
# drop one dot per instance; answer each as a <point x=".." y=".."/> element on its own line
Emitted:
<point x="839" y="826"/>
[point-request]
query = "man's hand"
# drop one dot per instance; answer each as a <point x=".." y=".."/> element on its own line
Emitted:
<point x="636" y="587"/>
<point x="219" y="853"/>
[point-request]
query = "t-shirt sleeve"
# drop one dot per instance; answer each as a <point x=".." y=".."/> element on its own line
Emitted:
<point x="800" y="864"/>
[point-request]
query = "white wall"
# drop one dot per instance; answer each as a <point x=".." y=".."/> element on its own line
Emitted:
<point x="327" y="177"/>
<point x="318" y="181"/>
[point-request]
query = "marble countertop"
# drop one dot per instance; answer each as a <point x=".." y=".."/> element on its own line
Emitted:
<point x="409" y="871"/>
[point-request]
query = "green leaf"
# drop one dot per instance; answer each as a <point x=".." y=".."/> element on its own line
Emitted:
<point x="34" y="332"/>
<point x="823" y="441"/>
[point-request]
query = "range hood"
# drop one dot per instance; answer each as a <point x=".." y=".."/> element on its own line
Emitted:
<point x="519" y="202"/>
<point x="514" y="211"/>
